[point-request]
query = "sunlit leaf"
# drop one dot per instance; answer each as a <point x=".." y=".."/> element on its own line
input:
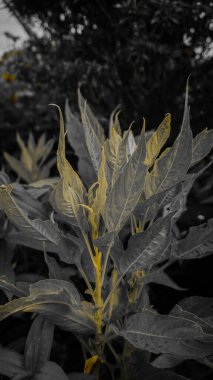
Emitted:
<point x="157" y="140"/>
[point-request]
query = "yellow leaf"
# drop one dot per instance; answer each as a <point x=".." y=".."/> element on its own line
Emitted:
<point x="65" y="169"/>
<point x="89" y="364"/>
<point x="114" y="296"/>
<point x="114" y="122"/>
<point x="157" y="140"/>
<point x="26" y="157"/>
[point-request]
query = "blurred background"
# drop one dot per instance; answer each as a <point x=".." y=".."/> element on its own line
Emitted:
<point x="133" y="53"/>
<point x="136" y="54"/>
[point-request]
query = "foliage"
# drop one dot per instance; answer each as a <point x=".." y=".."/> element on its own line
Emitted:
<point x="32" y="166"/>
<point x="118" y="51"/>
<point x="114" y="223"/>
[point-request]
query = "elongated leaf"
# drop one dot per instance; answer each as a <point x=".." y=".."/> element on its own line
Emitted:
<point x="76" y="138"/>
<point x="157" y="140"/>
<point x="166" y="334"/>
<point x="57" y="300"/>
<point x="18" y="167"/>
<point x="114" y="122"/>
<point x="26" y="157"/>
<point x="126" y="191"/>
<point x="131" y="143"/>
<point x="197" y="244"/>
<point x="38" y="344"/>
<point x="202" y="144"/>
<point x="120" y="158"/>
<point x="148" y="247"/>
<point x="37" y="229"/>
<point x="69" y="193"/>
<point x="171" y="167"/>
<point x="11" y="363"/>
<point x="51" y="371"/>
<point x="84" y="107"/>
<point x="93" y="132"/>
<point x="65" y="169"/>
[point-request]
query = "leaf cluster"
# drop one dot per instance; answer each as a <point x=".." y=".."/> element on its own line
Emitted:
<point x="114" y="225"/>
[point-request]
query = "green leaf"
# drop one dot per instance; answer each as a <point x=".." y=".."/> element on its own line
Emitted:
<point x="172" y="167"/>
<point x="166" y="334"/>
<point x="38" y="344"/>
<point x="11" y="363"/>
<point x="202" y="145"/>
<point x="197" y="244"/>
<point x="51" y="371"/>
<point x="126" y="191"/>
<point x="147" y="248"/>
<point x="57" y="300"/>
<point x="36" y="229"/>
<point x="76" y="138"/>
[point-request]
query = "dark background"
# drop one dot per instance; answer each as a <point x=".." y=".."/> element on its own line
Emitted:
<point x="136" y="54"/>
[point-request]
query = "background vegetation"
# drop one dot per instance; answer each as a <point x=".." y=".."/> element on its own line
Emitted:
<point x="136" y="54"/>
